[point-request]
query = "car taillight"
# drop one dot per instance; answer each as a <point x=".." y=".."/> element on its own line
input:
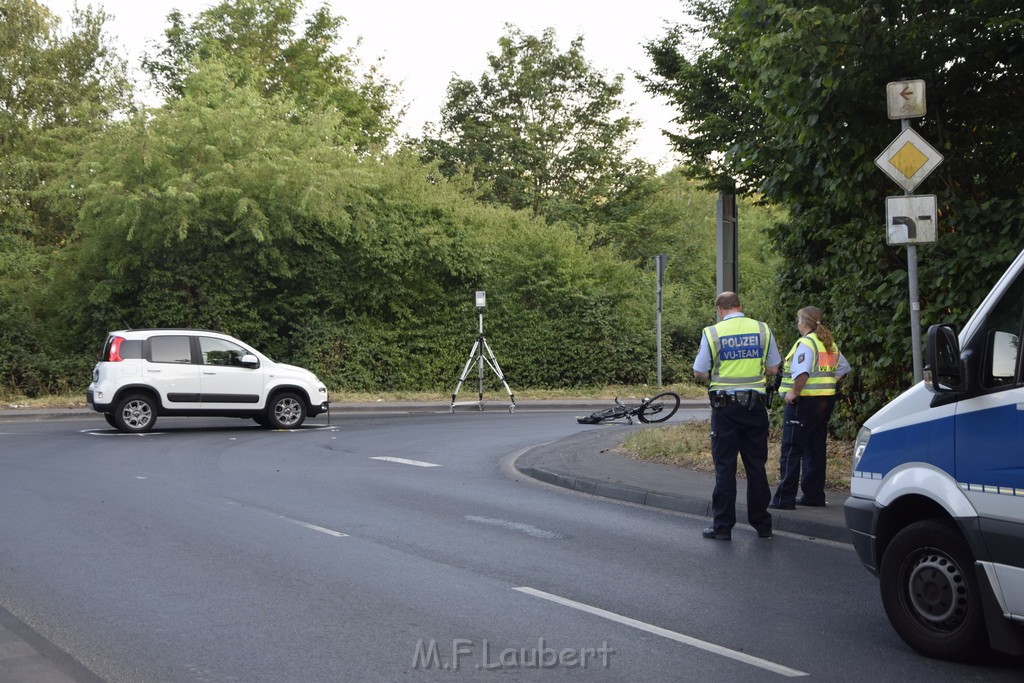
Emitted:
<point x="114" y="356"/>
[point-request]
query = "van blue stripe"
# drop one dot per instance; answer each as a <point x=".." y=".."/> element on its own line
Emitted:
<point x="989" y="445"/>
<point x="929" y="442"/>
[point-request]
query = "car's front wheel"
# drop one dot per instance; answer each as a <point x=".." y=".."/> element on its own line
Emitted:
<point x="930" y="591"/>
<point x="286" y="411"/>
<point x="135" y="414"/>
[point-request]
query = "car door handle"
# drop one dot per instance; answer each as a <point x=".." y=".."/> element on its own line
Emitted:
<point x="153" y="372"/>
<point x="209" y="372"/>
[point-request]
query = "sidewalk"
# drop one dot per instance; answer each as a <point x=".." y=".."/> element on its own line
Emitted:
<point x="587" y="462"/>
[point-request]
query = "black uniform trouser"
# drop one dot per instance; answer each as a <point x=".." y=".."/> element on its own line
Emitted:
<point x="804" y="436"/>
<point x="743" y="430"/>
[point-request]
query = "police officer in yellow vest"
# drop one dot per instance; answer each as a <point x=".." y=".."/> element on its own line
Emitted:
<point x="735" y="354"/>
<point x="813" y="368"/>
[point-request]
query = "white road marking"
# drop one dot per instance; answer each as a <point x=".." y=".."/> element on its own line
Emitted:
<point x="108" y="432"/>
<point x="404" y="461"/>
<point x="292" y="520"/>
<point x="665" y="633"/>
<point x="514" y="526"/>
<point x="314" y="527"/>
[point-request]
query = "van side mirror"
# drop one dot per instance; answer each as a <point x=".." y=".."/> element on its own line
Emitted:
<point x="249" y="361"/>
<point x="943" y="373"/>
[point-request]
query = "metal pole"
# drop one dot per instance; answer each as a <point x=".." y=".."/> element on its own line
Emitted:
<point x="915" y="311"/>
<point x="480" y="360"/>
<point x="727" y="255"/>
<point x="915" y="303"/>
<point x="659" y="269"/>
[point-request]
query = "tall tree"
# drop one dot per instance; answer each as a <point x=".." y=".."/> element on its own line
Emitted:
<point x="260" y="44"/>
<point x="787" y="97"/>
<point x="541" y="130"/>
<point x="55" y="87"/>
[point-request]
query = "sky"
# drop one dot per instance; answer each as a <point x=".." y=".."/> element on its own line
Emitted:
<point x="422" y="45"/>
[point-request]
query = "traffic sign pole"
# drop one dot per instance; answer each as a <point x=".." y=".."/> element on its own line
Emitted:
<point x="908" y="160"/>
<point x="915" y="303"/>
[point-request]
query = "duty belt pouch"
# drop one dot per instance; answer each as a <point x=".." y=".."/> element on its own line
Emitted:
<point x="717" y="400"/>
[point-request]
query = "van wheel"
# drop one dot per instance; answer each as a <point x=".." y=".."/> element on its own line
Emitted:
<point x="286" y="411"/>
<point x="931" y="593"/>
<point x="135" y="414"/>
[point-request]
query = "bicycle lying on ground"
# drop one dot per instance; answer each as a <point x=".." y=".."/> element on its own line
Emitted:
<point x="658" y="408"/>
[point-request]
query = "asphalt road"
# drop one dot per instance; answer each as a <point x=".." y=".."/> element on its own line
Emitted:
<point x="403" y="547"/>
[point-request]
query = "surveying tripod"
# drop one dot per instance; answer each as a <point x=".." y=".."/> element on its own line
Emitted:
<point x="481" y="353"/>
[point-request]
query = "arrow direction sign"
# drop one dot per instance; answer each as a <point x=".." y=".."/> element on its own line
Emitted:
<point x="908" y="159"/>
<point x="905" y="99"/>
<point x="911" y="219"/>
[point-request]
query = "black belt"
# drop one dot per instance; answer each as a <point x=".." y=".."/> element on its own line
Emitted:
<point x="745" y="397"/>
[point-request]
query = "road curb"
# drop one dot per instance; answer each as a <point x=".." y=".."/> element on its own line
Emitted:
<point x="629" y="494"/>
<point x="531" y="463"/>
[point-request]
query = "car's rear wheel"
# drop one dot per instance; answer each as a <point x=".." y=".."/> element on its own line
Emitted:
<point x="135" y="414"/>
<point x="286" y="411"/>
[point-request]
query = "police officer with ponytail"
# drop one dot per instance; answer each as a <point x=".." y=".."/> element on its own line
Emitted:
<point x="735" y="355"/>
<point x="811" y="373"/>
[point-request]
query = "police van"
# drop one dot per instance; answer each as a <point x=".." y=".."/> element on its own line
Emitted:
<point x="936" y="508"/>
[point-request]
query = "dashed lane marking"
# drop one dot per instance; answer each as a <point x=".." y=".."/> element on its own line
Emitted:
<point x="405" y="461"/>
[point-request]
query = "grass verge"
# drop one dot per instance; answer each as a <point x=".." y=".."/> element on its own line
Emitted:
<point x="689" y="445"/>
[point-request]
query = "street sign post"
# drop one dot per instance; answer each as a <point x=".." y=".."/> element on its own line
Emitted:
<point x="660" y="261"/>
<point x="905" y="99"/>
<point x="911" y="219"/>
<point x="908" y="159"/>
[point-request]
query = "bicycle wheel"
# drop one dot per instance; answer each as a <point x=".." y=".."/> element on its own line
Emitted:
<point x="660" y="408"/>
<point x="602" y="415"/>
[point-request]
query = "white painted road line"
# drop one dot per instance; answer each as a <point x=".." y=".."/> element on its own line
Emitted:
<point x="665" y="633"/>
<point x="311" y="527"/>
<point x="403" y="461"/>
<point x="322" y="530"/>
<point x="527" y="529"/>
<point x="291" y="520"/>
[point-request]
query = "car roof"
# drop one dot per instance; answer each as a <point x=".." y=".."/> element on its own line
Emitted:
<point x="148" y="332"/>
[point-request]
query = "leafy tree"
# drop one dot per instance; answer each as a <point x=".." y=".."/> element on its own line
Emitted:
<point x="54" y="89"/>
<point x="222" y="210"/>
<point x="787" y="97"/>
<point x="678" y="218"/>
<point x="542" y="130"/>
<point x="199" y="213"/>
<point x="259" y="44"/>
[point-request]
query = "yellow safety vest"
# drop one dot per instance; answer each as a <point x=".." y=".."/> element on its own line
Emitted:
<point x="821" y="381"/>
<point x="739" y="347"/>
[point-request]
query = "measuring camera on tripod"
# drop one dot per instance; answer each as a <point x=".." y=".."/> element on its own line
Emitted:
<point x="480" y="355"/>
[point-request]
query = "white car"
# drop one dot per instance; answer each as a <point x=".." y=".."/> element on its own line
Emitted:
<point x="146" y="373"/>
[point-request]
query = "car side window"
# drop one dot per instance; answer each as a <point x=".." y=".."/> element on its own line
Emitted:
<point x="131" y="348"/>
<point x="1002" y="341"/>
<point x="170" y="349"/>
<point x="220" y="352"/>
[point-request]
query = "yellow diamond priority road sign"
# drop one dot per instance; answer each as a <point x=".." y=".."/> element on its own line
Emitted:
<point x="908" y="159"/>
